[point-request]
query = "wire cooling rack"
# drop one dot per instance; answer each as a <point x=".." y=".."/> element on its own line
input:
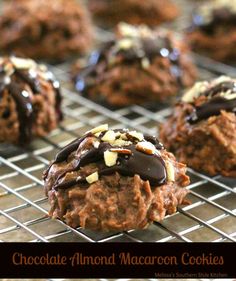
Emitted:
<point x="24" y="207"/>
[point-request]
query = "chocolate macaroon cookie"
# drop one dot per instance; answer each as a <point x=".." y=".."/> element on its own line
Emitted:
<point x="202" y="129"/>
<point x="140" y="66"/>
<point x="150" y="12"/>
<point x="213" y="30"/>
<point x="114" y="180"/>
<point x="44" y="29"/>
<point x="29" y="100"/>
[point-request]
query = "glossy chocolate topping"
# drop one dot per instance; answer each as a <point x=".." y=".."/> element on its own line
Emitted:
<point x="221" y="96"/>
<point x="131" y="159"/>
<point x="128" y="50"/>
<point x="15" y="74"/>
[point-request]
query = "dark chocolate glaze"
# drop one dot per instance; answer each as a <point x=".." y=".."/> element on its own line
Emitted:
<point x="211" y="108"/>
<point x="215" y="103"/>
<point x="63" y="154"/>
<point x="69" y="184"/>
<point x="56" y="86"/>
<point x="100" y="61"/>
<point x="221" y="87"/>
<point x="24" y="108"/>
<point x="220" y="17"/>
<point x="14" y="83"/>
<point x="148" y="167"/>
<point x="28" y="79"/>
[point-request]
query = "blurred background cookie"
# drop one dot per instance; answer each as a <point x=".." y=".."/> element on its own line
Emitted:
<point x="213" y="30"/>
<point x="150" y="12"/>
<point x="139" y="66"/>
<point x="202" y="129"/>
<point x="45" y="29"/>
<point x="29" y="100"/>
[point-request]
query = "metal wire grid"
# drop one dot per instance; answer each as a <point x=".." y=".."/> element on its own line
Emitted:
<point x="23" y="206"/>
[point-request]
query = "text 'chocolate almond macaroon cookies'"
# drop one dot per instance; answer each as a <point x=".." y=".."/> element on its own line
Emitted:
<point x="140" y="66"/>
<point x="114" y="180"/>
<point x="150" y="12"/>
<point x="44" y="29"/>
<point x="29" y="100"/>
<point x="213" y="30"/>
<point x="202" y="129"/>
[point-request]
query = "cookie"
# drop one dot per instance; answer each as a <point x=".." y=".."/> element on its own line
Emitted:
<point x="149" y="12"/>
<point x="202" y="129"/>
<point x="213" y="30"/>
<point x="29" y="100"/>
<point x="45" y="29"/>
<point x="114" y="180"/>
<point x="140" y="66"/>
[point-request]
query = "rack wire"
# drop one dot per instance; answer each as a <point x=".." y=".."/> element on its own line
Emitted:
<point x="24" y="207"/>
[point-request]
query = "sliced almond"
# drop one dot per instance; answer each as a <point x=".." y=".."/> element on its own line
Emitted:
<point x="125" y="43"/>
<point x="109" y="136"/>
<point x="8" y="68"/>
<point x="101" y="128"/>
<point x="21" y="63"/>
<point x="92" y="178"/>
<point x="110" y="158"/>
<point x="230" y="96"/>
<point x="146" y="147"/>
<point x="96" y="144"/>
<point x="145" y="62"/>
<point x="42" y="67"/>
<point x="121" y="150"/>
<point x="120" y="142"/>
<point x="136" y="135"/>
<point x="97" y="134"/>
<point x="123" y="136"/>
<point x="221" y="79"/>
<point x="127" y="30"/>
<point x="170" y="171"/>
<point x="195" y="91"/>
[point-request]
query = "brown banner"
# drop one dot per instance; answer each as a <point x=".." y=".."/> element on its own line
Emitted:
<point x="117" y="260"/>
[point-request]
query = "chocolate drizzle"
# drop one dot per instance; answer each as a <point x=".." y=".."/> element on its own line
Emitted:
<point x="14" y="81"/>
<point x="112" y="53"/>
<point x="221" y="88"/>
<point x="63" y="154"/>
<point x="149" y="167"/>
<point x="25" y="110"/>
<point x="216" y="102"/>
